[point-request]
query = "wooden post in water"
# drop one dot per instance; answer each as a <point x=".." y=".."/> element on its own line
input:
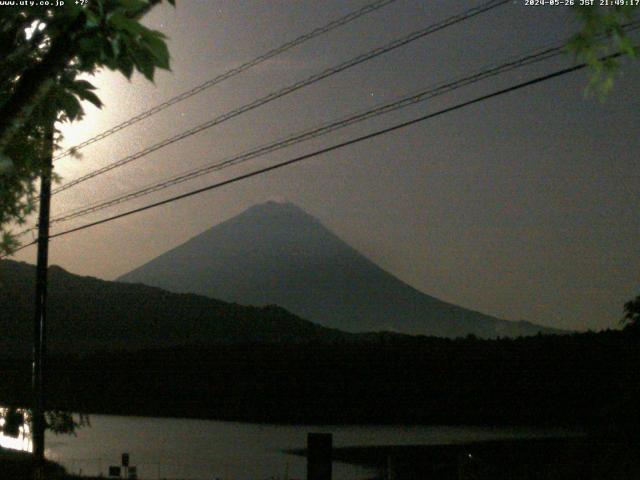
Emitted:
<point x="319" y="446"/>
<point x="390" y="468"/>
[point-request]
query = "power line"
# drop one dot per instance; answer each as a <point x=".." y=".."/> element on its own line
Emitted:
<point x="407" y="100"/>
<point x="325" y="150"/>
<point x="290" y="89"/>
<point x="230" y="73"/>
<point x="540" y="54"/>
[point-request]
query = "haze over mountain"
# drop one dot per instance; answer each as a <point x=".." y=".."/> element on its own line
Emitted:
<point x="275" y="253"/>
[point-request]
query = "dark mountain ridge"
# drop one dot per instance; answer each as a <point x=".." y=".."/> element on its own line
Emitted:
<point x="275" y="253"/>
<point x="88" y="314"/>
<point x="146" y="351"/>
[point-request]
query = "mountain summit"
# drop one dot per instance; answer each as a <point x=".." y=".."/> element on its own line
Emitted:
<point x="276" y="253"/>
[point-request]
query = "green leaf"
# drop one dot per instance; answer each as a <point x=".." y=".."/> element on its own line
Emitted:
<point x="6" y="164"/>
<point x="143" y="60"/>
<point x="83" y="89"/>
<point x="626" y="45"/>
<point x="89" y="52"/>
<point x="82" y="85"/>
<point x="158" y="48"/>
<point x="123" y="23"/>
<point x="71" y="106"/>
<point x="125" y="65"/>
<point x="134" y="6"/>
<point x="91" y="97"/>
<point x="92" y="19"/>
<point x="115" y="46"/>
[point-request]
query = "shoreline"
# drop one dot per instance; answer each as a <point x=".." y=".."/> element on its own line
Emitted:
<point x="615" y="456"/>
<point x="568" y="458"/>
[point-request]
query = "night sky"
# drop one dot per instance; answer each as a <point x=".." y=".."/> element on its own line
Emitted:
<point x="523" y="207"/>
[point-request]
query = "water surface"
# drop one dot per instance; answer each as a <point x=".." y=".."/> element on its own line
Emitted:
<point x="205" y="449"/>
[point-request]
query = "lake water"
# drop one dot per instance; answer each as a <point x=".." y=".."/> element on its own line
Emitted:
<point x="204" y="449"/>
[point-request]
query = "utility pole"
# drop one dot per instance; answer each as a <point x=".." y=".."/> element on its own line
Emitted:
<point x="40" y="319"/>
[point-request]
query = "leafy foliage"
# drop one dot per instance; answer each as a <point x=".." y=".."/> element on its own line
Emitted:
<point x="60" y="422"/>
<point x="44" y="55"/>
<point x="632" y="314"/>
<point x="57" y="421"/>
<point x="603" y="33"/>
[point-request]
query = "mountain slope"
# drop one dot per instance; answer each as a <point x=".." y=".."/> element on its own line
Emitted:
<point x="276" y="253"/>
<point x="87" y="314"/>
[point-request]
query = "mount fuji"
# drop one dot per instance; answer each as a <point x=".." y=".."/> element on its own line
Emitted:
<point x="276" y="253"/>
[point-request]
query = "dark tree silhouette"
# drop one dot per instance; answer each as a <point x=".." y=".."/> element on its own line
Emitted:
<point x="632" y="314"/>
<point x="44" y="53"/>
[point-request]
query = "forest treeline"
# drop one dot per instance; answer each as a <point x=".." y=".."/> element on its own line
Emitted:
<point x="585" y="379"/>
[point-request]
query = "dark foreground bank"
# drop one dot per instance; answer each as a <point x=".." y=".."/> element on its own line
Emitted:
<point x="16" y="465"/>
<point x="579" y="458"/>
